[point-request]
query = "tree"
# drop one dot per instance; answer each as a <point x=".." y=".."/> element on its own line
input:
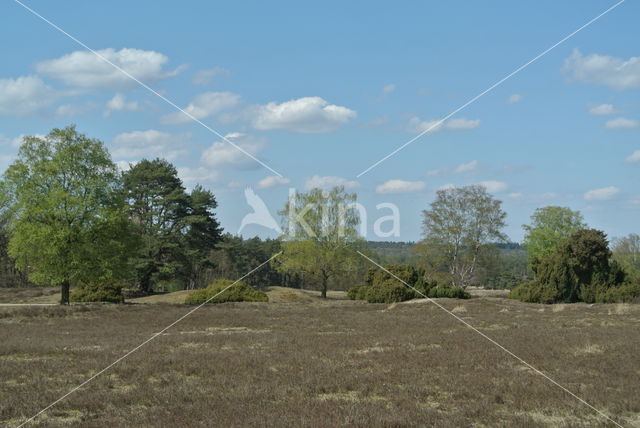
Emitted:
<point x="626" y="251"/>
<point x="462" y="223"/>
<point x="321" y="236"/>
<point x="176" y="229"/>
<point x="580" y="269"/>
<point x="64" y="211"/>
<point x="550" y="226"/>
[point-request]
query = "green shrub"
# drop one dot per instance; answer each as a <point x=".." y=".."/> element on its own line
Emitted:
<point x="535" y="292"/>
<point x="405" y="272"/>
<point x="626" y="293"/>
<point x="358" y="292"/>
<point x="389" y="291"/>
<point x="239" y="292"/>
<point x="98" y="292"/>
<point x="450" y="292"/>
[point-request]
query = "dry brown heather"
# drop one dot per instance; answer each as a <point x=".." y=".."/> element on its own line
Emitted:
<point x="321" y="364"/>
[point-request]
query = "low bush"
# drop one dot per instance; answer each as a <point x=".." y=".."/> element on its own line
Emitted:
<point x="239" y="292"/>
<point x="389" y="291"/>
<point x="450" y="292"/>
<point x="98" y="292"/>
<point x="358" y="292"/>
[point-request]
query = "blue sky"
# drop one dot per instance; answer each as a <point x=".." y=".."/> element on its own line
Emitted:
<point x="319" y="92"/>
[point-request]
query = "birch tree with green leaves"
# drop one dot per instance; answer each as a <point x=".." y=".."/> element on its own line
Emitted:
<point x="462" y="223"/>
<point x="64" y="211"/>
<point x="321" y="236"/>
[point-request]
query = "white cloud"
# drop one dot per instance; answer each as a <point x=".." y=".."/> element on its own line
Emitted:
<point x="307" y="115"/>
<point x="515" y="195"/>
<point x="634" y="157"/>
<point x="418" y="126"/>
<point x="389" y="89"/>
<point x="224" y="155"/>
<point x="203" y="106"/>
<point x="272" y="181"/>
<point x="149" y="144"/>
<point x="622" y="123"/>
<point x="328" y="182"/>
<point x="602" y="194"/>
<point x="205" y="77"/>
<point x="191" y="176"/>
<point x="493" y="186"/>
<point x="460" y="169"/>
<point x="610" y="71"/>
<point x="602" y="109"/>
<point x="120" y="103"/>
<point x="466" y="167"/>
<point x="514" y="99"/>
<point x="83" y="69"/>
<point x="462" y="123"/>
<point x="400" y="186"/>
<point x="25" y="95"/>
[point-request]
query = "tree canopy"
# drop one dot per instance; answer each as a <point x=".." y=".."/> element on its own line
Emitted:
<point x="462" y="223"/>
<point x="64" y="212"/>
<point x="321" y="236"/>
<point x="550" y="226"/>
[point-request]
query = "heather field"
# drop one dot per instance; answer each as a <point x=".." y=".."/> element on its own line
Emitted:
<point x="302" y="361"/>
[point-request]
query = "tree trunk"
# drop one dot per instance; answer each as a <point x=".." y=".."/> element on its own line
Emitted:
<point x="64" y="293"/>
<point x="323" y="293"/>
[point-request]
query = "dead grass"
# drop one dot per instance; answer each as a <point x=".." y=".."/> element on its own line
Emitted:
<point x="320" y="364"/>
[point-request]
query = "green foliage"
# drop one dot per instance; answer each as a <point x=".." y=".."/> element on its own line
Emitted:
<point x="98" y="292"/>
<point x="388" y="291"/>
<point x="626" y="251"/>
<point x="238" y="292"/>
<point x="448" y="291"/>
<point x="459" y="227"/>
<point x="321" y="237"/>
<point x="64" y="211"/>
<point x="549" y="227"/>
<point x="177" y="229"/>
<point x="580" y="269"/>
<point x="358" y="292"/>
<point x="407" y="273"/>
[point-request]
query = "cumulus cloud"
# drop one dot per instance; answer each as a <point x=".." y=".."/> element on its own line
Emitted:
<point x="272" y="181"/>
<point x="120" y="103"/>
<point x="25" y="96"/>
<point x="634" y="157"/>
<point x="622" y="123"/>
<point x="602" y="109"/>
<point x="83" y="69"/>
<point x="616" y="73"/>
<point x="466" y="167"/>
<point x="400" y="186"/>
<point x="514" y="99"/>
<point x="205" y="77"/>
<point x="306" y="115"/>
<point x="493" y="186"/>
<point x="389" y="89"/>
<point x="602" y="194"/>
<point x="328" y="182"/>
<point x="223" y="155"/>
<point x="192" y="176"/>
<point x="203" y="106"/>
<point x="149" y="144"/>
<point x="418" y="126"/>
<point x="460" y="169"/>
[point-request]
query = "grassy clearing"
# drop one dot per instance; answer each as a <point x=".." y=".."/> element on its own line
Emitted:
<point x="318" y="363"/>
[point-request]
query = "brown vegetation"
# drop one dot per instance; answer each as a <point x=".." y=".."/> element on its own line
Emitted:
<point x="317" y="363"/>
